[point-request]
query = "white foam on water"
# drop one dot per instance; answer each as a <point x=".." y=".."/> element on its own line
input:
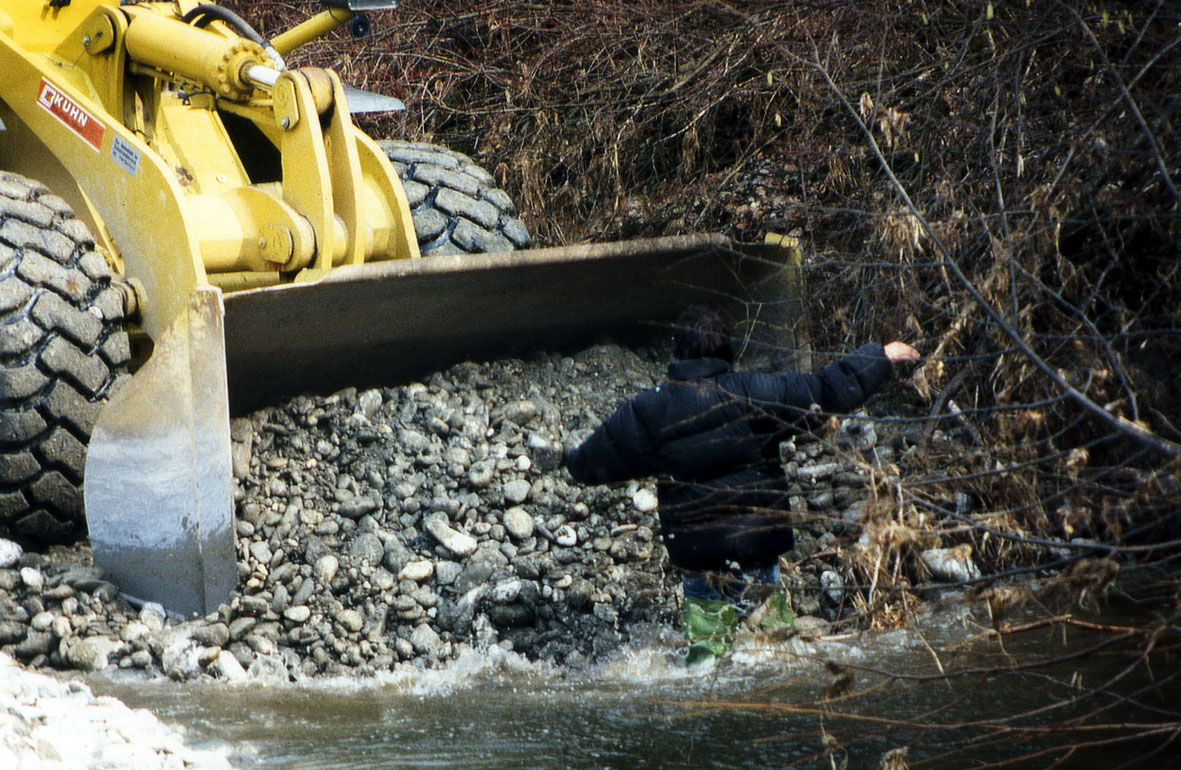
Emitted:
<point x="471" y="668"/>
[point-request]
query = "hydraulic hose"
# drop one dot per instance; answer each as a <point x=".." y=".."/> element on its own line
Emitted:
<point x="207" y="12"/>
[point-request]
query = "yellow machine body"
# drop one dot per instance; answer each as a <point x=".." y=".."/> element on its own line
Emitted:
<point x="256" y="223"/>
<point x="119" y="109"/>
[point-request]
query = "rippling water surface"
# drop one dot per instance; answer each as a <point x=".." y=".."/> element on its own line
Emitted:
<point x="771" y="705"/>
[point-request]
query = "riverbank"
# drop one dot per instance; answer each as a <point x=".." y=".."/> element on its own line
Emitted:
<point x="47" y="723"/>
<point x="412" y="523"/>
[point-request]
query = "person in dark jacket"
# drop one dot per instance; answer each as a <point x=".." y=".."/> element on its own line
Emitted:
<point x="711" y="437"/>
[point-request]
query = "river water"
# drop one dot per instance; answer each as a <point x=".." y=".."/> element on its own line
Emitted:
<point x="770" y="705"/>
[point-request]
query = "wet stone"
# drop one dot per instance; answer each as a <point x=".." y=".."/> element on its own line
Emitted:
<point x="255" y="606"/>
<point x="152" y="616"/>
<point x="12" y="631"/>
<point x="239" y="627"/>
<point x="35" y="643"/>
<point x="92" y="653"/>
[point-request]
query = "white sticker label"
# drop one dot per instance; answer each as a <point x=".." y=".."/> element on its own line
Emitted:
<point x="125" y="155"/>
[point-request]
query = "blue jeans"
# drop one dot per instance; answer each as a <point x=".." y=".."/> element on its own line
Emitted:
<point x="740" y="588"/>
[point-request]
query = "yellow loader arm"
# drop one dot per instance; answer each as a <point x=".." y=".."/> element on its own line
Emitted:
<point x="253" y="223"/>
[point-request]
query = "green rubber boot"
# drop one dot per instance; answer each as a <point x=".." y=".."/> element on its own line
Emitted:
<point x="773" y="614"/>
<point x="709" y="628"/>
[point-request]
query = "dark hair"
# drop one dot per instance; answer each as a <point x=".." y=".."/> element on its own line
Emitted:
<point x="701" y="332"/>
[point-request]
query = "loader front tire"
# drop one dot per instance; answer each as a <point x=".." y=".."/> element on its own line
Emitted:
<point x="62" y="344"/>
<point x="456" y="205"/>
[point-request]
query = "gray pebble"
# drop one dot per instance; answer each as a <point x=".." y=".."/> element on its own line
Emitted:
<point x="254" y="605"/>
<point x="241" y="626"/>
<point x="261" y="552"/>
<point x="325" y="568"/>
<point x="351" y="620"/>
<point x="212" y="635"/>
<point x="33" y="579"/>
<point x="303" y="593"/>
<point x="446" y="572"/>
<point x="10" y="554"/>
<point x="297" y="614"/>
<point x="366" y="548"/>
<point x="519" y="523"/>
<point x="516" y="491"/>
<point x="565" y="536"/>
<point x="458" y="543"/>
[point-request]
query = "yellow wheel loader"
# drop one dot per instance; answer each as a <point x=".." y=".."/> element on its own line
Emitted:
<point x="169" y="186"/>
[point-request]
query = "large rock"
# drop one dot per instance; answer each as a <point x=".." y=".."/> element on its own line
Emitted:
<point x="226" y="666"/>
<point x="951" y="564"/>
<point x="181" y="658"/>
<point x="212" y="635"/>
<point x="92" y="653"/>
<point x="425" y="640"/>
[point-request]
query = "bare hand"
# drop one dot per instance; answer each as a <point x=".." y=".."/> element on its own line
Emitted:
<point x="900" y="351"/>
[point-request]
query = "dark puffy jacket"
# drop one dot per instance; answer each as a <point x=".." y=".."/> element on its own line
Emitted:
<point x="711" y="437"/>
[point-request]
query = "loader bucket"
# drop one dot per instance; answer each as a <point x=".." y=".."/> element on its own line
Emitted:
<point x="388" y="322"/>
<point x="158" y="478"/>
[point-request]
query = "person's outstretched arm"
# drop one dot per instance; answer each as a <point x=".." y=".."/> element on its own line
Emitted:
<point x="619" y="449"/>
<point x="839" y="387"/>
<point x="848" y="383"/>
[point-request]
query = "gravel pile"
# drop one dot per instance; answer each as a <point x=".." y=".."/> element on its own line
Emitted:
<point x="410" y="523"/>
